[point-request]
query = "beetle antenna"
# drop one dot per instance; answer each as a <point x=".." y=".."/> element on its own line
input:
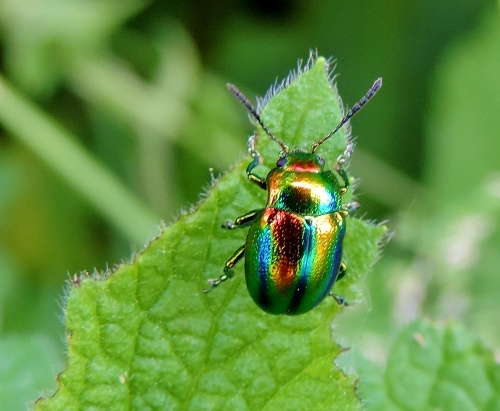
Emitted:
<point x="371" y="92"/>
<point x="239" y="95"/>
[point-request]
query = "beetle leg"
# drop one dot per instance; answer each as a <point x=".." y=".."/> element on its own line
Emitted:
<point x="340" y="275"/>
<point x="350" y="208"/>
<point x="340" y="216"/>
<point x="257" y="159"/>
<point x="242" y="221"/>
<point x="237" y="256"/>
<point x="344" y="213"/>
<point x="347" y="152"/>
<point x="254" y="178"/>
<point x="340" y="162"/>
<point x="251" y="143"/>
<point x="342" y="271"/>
<point x="344" y="176"/>
<point x="340" y="300"/>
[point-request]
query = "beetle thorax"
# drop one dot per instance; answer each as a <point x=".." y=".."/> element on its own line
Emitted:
<point x="303" y="187"/>
<point x="309" y="165"/>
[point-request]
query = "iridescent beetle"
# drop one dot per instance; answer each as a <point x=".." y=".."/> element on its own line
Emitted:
<point x="293" y="250"/>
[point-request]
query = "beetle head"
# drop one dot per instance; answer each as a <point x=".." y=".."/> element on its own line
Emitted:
<point x="299" y="160"/>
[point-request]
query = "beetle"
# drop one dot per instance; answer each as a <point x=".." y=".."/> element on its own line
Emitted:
<point x="293" y="249"/>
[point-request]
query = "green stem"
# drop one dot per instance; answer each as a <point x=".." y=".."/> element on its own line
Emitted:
<point x="61" y="151"/>
<point x="385" y="184"/>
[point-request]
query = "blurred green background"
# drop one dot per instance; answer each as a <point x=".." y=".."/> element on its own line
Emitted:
<point x="112" y="112"/>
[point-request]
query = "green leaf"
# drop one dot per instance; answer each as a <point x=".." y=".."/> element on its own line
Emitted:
<point x="26" y="364"/>
<point x="60" y="150"/>
<point x="147" y="337"/>
<point x="433" y="367"/>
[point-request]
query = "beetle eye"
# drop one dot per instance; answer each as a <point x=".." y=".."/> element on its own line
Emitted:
<point x="321" y="161"/>
<point x="281" y="162"/>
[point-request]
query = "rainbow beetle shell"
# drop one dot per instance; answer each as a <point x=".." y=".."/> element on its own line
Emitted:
<point x="293" y="250"/>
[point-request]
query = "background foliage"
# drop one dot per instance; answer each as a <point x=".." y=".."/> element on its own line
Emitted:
<point x="124" y="102"/>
